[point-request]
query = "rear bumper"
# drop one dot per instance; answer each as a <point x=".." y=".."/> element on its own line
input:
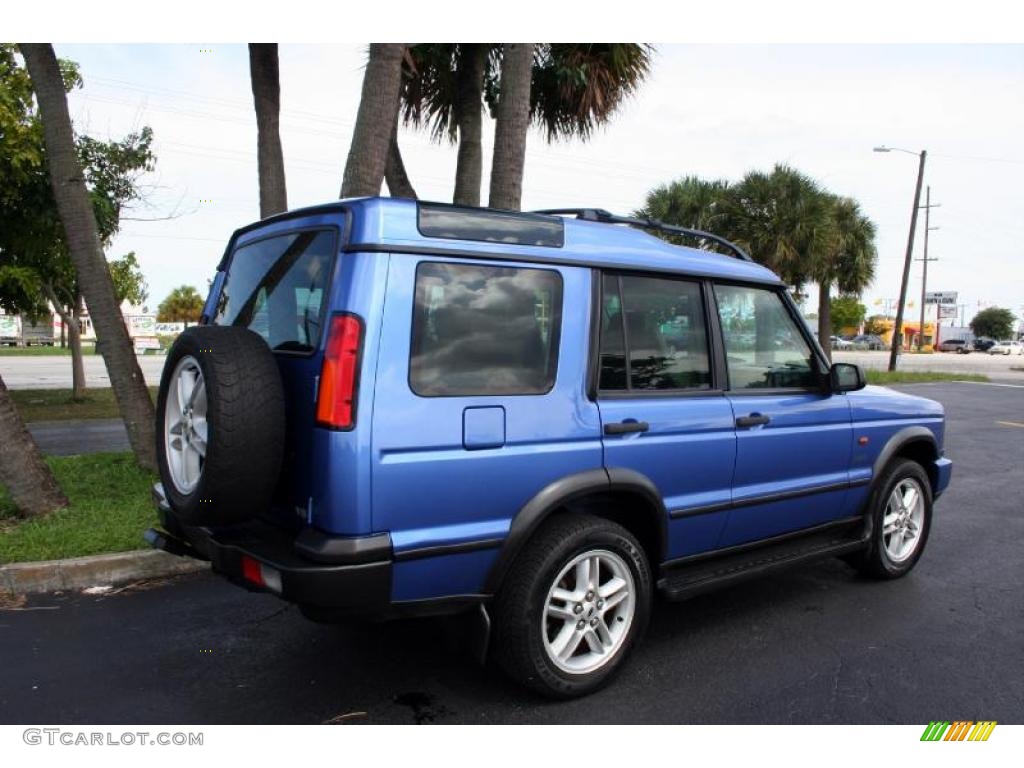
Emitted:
<point x="311" y="568"/>
<point x="943" y="473"/>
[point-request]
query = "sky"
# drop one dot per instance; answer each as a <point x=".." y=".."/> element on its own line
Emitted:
<point x="715" y="111"/>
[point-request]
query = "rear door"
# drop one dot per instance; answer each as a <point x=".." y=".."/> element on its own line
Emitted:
<point x="663" y="413"/>
<point x="277" y="286"/>
<point x="794" y="438"/>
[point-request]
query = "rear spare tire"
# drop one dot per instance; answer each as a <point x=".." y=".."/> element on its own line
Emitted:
<point x="220" y="427"/>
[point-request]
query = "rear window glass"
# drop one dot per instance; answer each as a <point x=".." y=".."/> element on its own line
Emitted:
<point x="481" y="330"/>
<point x="277" y="288"/>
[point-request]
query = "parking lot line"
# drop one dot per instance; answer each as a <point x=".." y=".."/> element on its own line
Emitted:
<point x="1011" y="424"/>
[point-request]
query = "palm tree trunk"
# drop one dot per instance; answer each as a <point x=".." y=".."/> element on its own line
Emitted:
<point x="394" y="172"/>
<point x="513" y="120"/>
<point x="83" y="240"/>
<point x="26" y="476"/>
<point x="266" y="95"/>
<point x="469" y="119"/>
<point x="77" y="363"/>
<point x="378" y="109"/>
<point x="825" y="319"/>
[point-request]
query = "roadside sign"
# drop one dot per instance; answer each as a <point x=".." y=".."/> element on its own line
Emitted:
<point x="942" y="298"/>
<point x="947" y="311"/>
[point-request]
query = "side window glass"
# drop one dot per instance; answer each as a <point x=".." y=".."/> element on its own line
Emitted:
<point x="480" y="330"/>
<point x="763" y="345"/>
<point x="657" y="325"/>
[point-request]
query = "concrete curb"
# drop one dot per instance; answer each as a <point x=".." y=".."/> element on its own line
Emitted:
<point x="95" y="570"/>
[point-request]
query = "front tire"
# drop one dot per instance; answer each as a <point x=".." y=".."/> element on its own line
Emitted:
<point x="901" y="518"/>
<point x="573" y="606"/>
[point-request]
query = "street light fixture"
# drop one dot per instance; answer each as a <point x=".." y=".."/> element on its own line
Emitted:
<point x="897" y="332"/>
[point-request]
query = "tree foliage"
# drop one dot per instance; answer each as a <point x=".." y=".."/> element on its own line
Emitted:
<point x="182" y="305"/>
<point x="35" y="263"/>
<point x="993" y="322"/>
<point x="847" y="312"/>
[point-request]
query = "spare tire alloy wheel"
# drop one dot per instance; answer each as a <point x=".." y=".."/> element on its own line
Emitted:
<point x="220" y="426"/>
<point x="185" y="435"/>
<point x="589" y="611"/>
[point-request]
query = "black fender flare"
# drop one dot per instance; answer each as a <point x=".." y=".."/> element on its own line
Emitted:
<point x="903" y="438"/>
<point x="558" y="493"/>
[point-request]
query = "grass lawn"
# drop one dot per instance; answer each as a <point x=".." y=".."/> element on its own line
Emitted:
<point x="912" y="377"/>
<point x="110" y="508"/>
<point x="54" y="351"/>
<point x="57" y="405"/>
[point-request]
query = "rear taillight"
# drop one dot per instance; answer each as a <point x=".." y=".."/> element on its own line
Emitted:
<point x="336" y="401"/>
<point x="261" y="574"/>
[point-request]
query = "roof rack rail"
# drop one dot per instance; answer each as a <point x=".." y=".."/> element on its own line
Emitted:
<point x="605" y="217"/>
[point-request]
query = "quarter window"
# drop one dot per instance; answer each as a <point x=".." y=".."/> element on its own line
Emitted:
<point x="653" y="335"/>
<point x="480" y="330"/>
<point x="763" y="345"/>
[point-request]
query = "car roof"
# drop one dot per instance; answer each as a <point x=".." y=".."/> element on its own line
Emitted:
<point x="392" y="224"/>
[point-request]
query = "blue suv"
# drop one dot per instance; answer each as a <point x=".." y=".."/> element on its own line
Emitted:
<point x="394" y="408"/>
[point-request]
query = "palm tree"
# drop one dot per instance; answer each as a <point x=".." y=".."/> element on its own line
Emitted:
<point x="575" y="88"/>
<point x="689" y="202"/>
<point x="375" y="120"/>
<point x="83" y="241"/>
<point x="266" y="94"/>
<point x="512" y="123"/>
<point x="782" y="219"/>
<point x="848" y="260"/>
<point x="22" y="470"/>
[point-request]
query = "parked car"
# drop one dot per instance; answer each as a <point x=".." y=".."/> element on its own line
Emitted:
<point x="838" y="342"/>
<point x="539" y="420"/>
<point x="867" y="341"/>
<point x="959" y="346"/>
<point x="1006" y="347"/>
<point x="982" y="345"/>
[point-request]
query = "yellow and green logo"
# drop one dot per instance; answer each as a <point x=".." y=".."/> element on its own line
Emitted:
<point x="958" y="730"/>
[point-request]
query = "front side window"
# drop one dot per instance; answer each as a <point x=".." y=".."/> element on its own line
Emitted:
<point x="480" y="330"/>
<point x="763" y="346"/>
<point x="276" y="287"/>
<point x="653" y="335"/>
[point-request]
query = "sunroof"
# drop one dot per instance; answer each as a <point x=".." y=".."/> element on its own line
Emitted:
<point x="482" y="225"/>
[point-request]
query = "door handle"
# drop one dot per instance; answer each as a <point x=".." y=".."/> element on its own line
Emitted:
<point x="622" y="427"/>
<point x="753" y="420"/>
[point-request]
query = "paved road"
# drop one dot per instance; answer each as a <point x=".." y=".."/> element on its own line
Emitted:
<point x="54" y="371"/>
<point x="816" y="646"/>
<point x="69" y="438"/>
<point x="997" y="367"/>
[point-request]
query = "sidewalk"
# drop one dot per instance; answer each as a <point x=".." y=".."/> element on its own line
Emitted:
<point x="71" y="438"/>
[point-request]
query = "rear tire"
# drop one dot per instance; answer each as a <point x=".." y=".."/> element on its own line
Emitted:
<point x="220" y="425"/>
<point x="574" y="604"/>
<point x="901" y="519"/>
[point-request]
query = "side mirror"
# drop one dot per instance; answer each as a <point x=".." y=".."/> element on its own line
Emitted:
<point x="846" y="377"/>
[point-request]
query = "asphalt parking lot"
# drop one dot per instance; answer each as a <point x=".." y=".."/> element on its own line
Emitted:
<point x="820" y="645"/>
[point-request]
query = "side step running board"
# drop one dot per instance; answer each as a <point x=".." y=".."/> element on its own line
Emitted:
<point x="687" y="579"/>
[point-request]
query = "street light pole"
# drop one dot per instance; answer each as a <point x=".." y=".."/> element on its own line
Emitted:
<point x="897" y="334"/>
<point x="924" y="278"/>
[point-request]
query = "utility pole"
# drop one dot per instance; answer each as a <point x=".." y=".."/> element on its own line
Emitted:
<point x="898" y="328"/>
<point x="924" y="278"/>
